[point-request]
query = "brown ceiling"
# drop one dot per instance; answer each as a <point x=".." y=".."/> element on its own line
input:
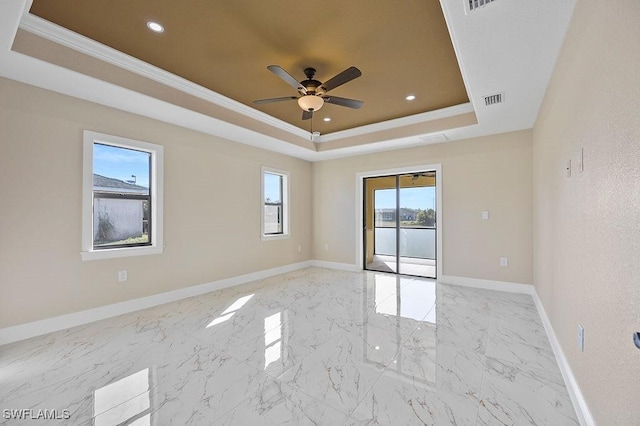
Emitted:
<point x="401" y="48"/>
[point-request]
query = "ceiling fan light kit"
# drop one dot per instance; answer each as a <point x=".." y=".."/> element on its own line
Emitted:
<point x="312" y="92"/>
<point x="310" y="102"/>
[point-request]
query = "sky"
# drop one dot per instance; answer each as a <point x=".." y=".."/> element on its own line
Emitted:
<point x="413" y="198"/>
<point x="272" y="187"/>
<point x="121" y="163"/>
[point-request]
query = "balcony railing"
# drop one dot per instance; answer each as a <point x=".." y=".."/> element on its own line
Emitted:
<point x="414" y="242"/>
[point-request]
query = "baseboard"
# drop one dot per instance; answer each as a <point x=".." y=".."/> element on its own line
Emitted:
<point x="335" y="265"/>
<point x="487" y="284"/>
<point x="577" y="398"/>
<point x="38" y="328"/>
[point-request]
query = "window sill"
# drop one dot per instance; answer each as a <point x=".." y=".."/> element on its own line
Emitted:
<point x="120" y="252"/>
<point x="274" y="237"/>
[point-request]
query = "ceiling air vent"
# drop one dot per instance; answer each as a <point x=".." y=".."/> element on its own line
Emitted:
<point x="436" y="138"/>
<point x="497" y="98"/>
<point x="474" y="4"/>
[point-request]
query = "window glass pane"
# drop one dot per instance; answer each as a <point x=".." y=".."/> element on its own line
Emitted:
<point x="272" y="219"/>
<point x="121" y="204"/>
<point x="273" y="211"/>
<point x="272" y="188"/>
<point x="123" y="169"/>
<point x="385" y="208"/>
<point x="119" y="222"/>
<point x="418" y="207"/>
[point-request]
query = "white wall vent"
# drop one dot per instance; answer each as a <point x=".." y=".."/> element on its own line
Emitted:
<point x="496" y="98"/>
<point x="474" y="4"/>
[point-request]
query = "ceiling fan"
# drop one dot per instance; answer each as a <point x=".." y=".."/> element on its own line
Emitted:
<point x="416" y="176"/>
<point x="313" y="92"/>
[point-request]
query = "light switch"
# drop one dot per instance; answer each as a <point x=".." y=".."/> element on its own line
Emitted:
<point x="581" y="160"/>
<point x="581" y="338"/>
<point x="485" y="215"/>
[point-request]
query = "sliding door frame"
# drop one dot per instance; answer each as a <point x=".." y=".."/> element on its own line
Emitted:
<point x="360" y="189"/>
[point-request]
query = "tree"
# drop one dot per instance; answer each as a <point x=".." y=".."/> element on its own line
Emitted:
<point x="426" y="217"/>
<point x="421" y="217"/>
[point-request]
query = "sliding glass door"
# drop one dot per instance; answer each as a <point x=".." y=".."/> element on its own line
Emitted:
<point x="400" y="224"/>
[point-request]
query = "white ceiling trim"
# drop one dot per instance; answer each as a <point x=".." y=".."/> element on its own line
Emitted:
<point x="10" y="12"/>
<point x="25" y="69"/>
<point x="399" y="122"/>
<point x="389" y="145"/>
<point x="82" y="44"/>
<point x="85" y="45"/>
<point x="518" y="57"/>
<point x="38" y="73"/>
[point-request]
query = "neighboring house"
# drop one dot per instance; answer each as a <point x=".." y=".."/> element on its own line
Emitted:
<point x="113" y="204"/>
<point x="389" y="215"/>
<point x="272" y="218"/>
<point x="408" y="214"/>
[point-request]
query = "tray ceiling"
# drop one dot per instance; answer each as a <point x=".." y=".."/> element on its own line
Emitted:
<point x="402" y="48"/>
<point x="505" y="47"/>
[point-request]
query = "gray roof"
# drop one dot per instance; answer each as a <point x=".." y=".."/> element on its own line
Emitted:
<point x="106" y="183"/>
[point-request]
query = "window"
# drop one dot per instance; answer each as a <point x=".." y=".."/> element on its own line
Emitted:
<point x="275" y="208"/>
<point x="122" y="197"/>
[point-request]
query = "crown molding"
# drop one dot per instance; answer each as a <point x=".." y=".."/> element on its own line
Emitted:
<point x="523" y="76"/>
<point x="399" y="122"/>
<point x="85" y="45"/>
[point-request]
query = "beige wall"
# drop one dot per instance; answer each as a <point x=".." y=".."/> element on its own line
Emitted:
<point x="211" y="213"/>
<point x="587" y="227"/>
<point x="490" y="173"/>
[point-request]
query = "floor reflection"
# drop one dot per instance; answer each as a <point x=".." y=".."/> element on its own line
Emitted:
<point x="275" y="339"/>
<point x="230" y="311"/>
<point x="126" y="401"/>
<point x="402" y="307"/>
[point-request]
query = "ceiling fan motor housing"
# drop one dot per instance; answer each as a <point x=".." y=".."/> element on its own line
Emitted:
<point x="310" y="83"/>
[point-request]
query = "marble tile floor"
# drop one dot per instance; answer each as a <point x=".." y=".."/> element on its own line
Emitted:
<point x="311" y="347"/>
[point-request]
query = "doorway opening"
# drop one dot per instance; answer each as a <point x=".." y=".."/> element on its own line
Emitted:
<point x="399" y="223"/>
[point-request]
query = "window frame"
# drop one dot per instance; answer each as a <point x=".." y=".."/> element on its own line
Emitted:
<point x="285" y="204"/>
<point x="155" y="192"/>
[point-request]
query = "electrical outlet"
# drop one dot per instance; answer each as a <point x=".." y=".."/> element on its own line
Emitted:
<point x="122" y="276"/>
<point x="581" y="338"/>
<point x="299" y="249"/>
<point x="485" y="215"/>
<point x="326" y="246"/>
<point x="504" y="261"/>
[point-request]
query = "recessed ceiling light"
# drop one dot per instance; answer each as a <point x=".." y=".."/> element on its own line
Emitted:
<point x="410" y="97"/>
<point x="155" y="27"/>
<point x="327" y="119"/>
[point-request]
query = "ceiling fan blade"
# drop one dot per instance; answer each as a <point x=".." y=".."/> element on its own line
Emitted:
<point x="288" y="78"/>
<point x="306" y="115"/>
<point x="336" y="100"/>
<point x="267" y="101"/>
<point x="340" y="79"/>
